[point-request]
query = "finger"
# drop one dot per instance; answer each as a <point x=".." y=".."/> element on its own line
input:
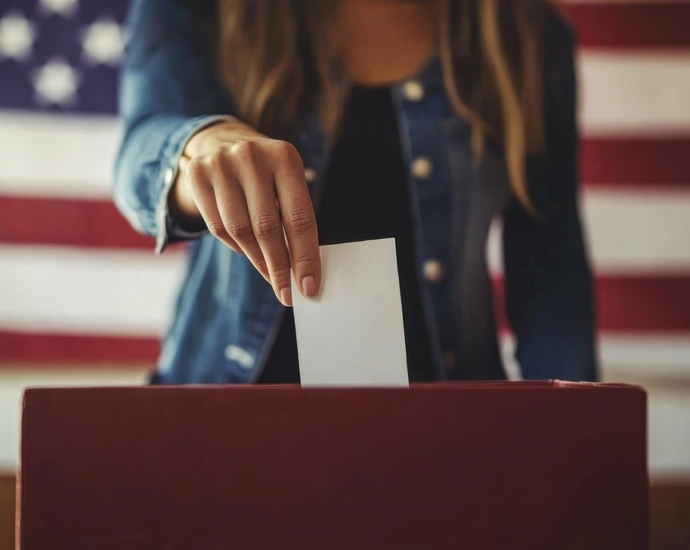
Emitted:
<point x="299" y="221"/>
<point x="204" y="198"/>
<point x="268" y="229"/>
<point x="232" y="205"/>
<point x="259" y="191"/>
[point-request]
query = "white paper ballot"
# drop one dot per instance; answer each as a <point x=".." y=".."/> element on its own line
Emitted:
<point x="353" y="334"/>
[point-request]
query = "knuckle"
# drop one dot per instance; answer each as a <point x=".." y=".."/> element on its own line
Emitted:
<point x="285" y="151"/>
<point x="307" y="260"/>
<point x="216" y="229"/>
<point x="245" y="152"/>
<point x="280" y="274"/>
<point x="301" y="220"/>
<point x="267" y="226"/>
<point x="194" y="170"/>
<point x="218" y="160"/>
<point x="239" y="230"/>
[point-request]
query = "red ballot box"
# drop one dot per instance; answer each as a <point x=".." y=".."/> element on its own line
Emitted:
<point x="484" y="465"/>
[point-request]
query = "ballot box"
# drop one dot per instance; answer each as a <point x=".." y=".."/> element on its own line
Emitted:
<point x="472" y="466"/>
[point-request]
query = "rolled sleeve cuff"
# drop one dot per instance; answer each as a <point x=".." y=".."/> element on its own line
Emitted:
<point x="168" y="230"/>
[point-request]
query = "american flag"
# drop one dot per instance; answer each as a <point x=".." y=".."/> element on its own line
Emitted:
<point x="79" y="287"/>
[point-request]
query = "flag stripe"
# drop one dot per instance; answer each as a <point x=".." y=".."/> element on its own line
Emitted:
<point x="619" y="352"/>
<point x="632" y="355"/>
<point x="658" y="220"/>
<point x="632" y="352"/>
<point x="631" y="304"/>
<point x="606" y="161"/>
<point x="637" y="232"/>
<point x="627" y="162"/>
<point x="635" y="94"/>
<point x="642" y="354"/>
<point x="658" y="24"/>
<point x="642" y="304"/>
<point x="100" y="292"/>
<point x="60" y="349"/>
<point x="52" y="155"/>
<point x="86" y="223"/>
<point x="111" y="293"/>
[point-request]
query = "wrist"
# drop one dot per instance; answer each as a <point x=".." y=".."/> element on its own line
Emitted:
<point x="223" y="133"/>
<point x="181" y="203"/>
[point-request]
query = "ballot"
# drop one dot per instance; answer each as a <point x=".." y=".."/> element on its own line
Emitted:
<point x="352" y="334"/>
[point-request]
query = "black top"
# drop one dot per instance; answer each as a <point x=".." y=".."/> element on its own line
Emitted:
<point x="366" y="197"/>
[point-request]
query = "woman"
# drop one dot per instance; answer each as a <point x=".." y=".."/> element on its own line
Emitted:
<point x="259" y="129"/>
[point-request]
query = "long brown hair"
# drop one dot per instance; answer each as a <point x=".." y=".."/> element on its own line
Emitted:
<point x="277" y="58"/>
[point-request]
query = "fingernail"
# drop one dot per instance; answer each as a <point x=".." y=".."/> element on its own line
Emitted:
<point x="309" y="287"/>
<point x="286" y="296"/>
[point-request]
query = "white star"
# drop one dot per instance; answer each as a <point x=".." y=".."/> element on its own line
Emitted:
<point x="56" y="83"/>
<point x="66" y="8"/>
<point x="103" y="42"/>
<point x="16" y="36"/>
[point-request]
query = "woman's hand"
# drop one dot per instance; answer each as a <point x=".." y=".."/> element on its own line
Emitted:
<point x="251" y="193"/>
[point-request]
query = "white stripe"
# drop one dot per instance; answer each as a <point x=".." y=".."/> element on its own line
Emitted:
<point x="63" y="290"/>
<point x="628" y="356"/>
<point x="638" y="231"/>
<point x="635" y="231"/>
<point x="634" y="93"/>
<point x="639" y="355"/>
<point x="57" y="155"/>
<point x="73" y="156"/>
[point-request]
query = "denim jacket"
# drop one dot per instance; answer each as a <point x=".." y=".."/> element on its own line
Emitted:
<point x="226" y="316"/>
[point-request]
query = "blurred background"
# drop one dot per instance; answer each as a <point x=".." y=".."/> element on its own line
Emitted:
<point x="83" y="299"/>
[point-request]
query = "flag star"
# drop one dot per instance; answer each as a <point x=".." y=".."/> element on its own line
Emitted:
<point x="17" y="36"/>
<point x="56" y="83"/>
<point x="103" y="42"/>
<point x="66" y="8"/>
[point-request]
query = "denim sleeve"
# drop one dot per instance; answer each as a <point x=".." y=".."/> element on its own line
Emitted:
<point x="168" y="91"/>
<point x="549" y="290"/>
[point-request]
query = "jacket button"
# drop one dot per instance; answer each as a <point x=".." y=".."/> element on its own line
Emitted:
<point x="310" y="174"/>
<point x="422" y="168"/>
<point x="434" y="271"/>
<point x="413" y="90"/>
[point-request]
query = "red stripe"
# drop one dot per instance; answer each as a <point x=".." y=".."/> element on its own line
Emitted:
<point x="659" y="24"/>
<point x="636" y="161"/>
<point x="87" y="223"/>
<point x="632" y="304"/>
<point x="92" y="223"/>
<point x="60" y="349"/>
<point x="640" y="304"/>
